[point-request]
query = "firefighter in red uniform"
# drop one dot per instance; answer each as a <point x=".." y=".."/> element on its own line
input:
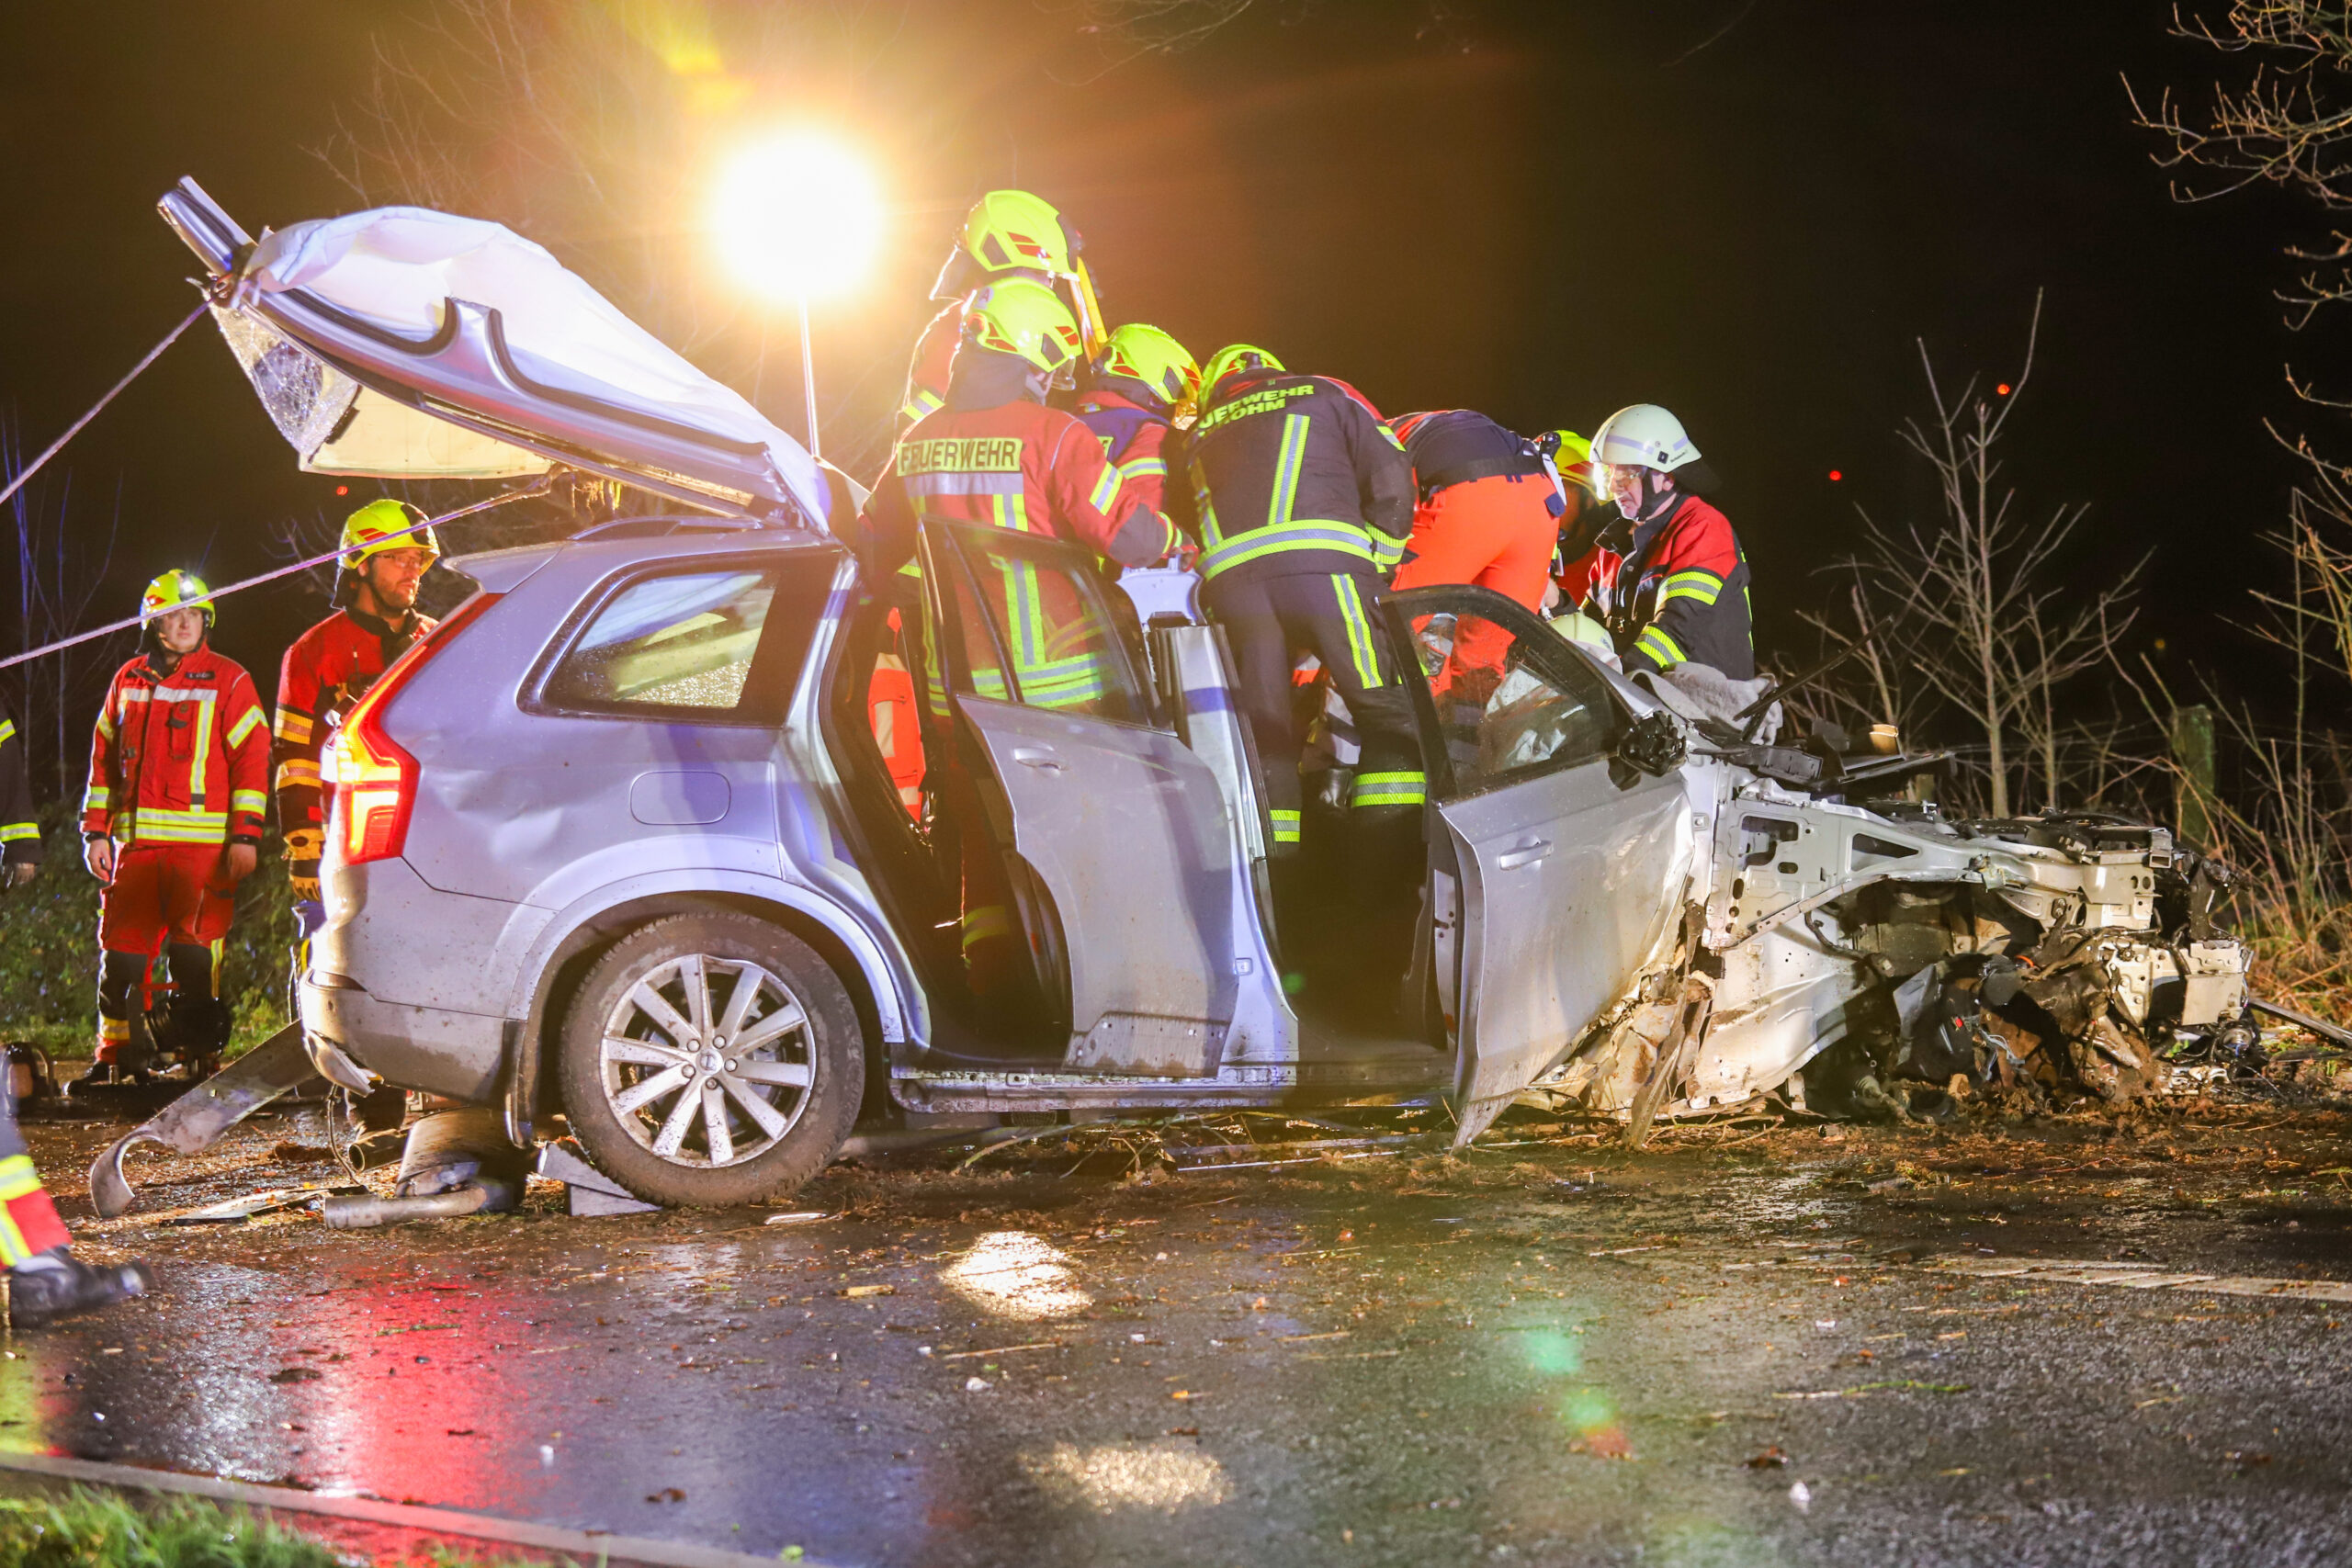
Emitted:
<point x="1144" y="381"/>
<point x="995" y="455"/>
<point x="1671" y="583"/>
<point x="1487" y="515"/>
<point x="171" y="822"/>
<point x="45" y="1279"/>
<point x="386" y="553"/>
<point x="1007" y="234"/>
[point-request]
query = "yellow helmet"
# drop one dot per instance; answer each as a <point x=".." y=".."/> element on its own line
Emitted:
<point x="1006" y="231"/>
<point x="1022" y="318"/>
<point x="381" y="525"/>
<point x="1571" y="454"/>
<point x="176" y="590"/>
<point x="1153" y="360"/>
<point x="1234" y="358"/>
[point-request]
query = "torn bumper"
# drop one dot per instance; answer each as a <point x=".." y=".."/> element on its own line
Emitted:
<point x="438" y="1050"/>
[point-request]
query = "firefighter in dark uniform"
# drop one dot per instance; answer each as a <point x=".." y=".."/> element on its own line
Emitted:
<point x="20" y="834"/>
<point x="1303" y="500"/>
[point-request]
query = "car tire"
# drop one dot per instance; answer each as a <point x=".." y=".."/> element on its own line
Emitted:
<point x="663" y="1103"/>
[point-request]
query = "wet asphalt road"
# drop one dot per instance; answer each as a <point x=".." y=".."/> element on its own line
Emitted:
<point x="1543" y="1354"/>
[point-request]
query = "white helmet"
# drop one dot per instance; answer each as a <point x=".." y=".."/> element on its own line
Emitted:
<point x="1644" y="436"/>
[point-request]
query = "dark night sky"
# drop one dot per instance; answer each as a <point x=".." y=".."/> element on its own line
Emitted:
<point x="1532" y="211"/>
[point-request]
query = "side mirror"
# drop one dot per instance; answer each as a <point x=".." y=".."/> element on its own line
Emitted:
<point x="1654" y="745"/>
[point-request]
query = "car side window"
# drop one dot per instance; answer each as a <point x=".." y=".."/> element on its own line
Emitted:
<point x="1037" y="630"/>
<point x="1508" y="703"/>
<point x="683" y="643"/>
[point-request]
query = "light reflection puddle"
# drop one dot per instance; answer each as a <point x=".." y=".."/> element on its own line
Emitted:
<point x="1016" y="1274"/>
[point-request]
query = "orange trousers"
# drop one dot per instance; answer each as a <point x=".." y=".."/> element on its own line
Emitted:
<point x="1495" y="532"/>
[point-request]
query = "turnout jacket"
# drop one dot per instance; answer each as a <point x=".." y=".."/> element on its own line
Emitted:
<point x="1294" y="474"/>
<point x="321" y="678"/>
<point x="179" y="758"/>
<point x="1013" y="464"/>
<point x="20" y="834"/>
<point x="1135" y="438"/>
<point x="1674" y="590"/>
<point x="934" y="358"/>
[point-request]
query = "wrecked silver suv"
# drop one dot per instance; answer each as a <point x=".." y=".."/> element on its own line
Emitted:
<point x="644" y="834"/>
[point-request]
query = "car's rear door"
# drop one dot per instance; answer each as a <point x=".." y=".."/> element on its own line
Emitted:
<point x="1566" y="869"/>
<point x="1122" y="827"/>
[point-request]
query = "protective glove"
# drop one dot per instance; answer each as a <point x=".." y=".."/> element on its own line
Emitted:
<point x="303" y="847"/>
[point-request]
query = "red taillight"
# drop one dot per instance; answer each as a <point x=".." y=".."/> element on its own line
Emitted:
<point x="373" y="779"/>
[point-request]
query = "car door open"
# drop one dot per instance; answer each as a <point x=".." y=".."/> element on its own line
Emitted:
<point x="1120" y="863"/>
<point x="1569" y="869"/>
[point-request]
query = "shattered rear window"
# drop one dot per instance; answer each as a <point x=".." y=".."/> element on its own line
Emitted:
<point x="304" y="398"/>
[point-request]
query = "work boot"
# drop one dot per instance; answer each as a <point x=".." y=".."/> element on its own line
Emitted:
<point x="101" y="1074"/>
<point x="56" y="1283"/>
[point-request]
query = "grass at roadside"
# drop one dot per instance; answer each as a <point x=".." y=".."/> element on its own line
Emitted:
<point x="87" y="1529"/>
<point x="48" y="949"/>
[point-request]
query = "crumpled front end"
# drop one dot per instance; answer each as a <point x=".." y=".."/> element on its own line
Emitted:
<point x="1881" y="961"/>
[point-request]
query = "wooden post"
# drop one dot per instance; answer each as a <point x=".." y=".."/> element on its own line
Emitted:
<point x="2192" y="755"/>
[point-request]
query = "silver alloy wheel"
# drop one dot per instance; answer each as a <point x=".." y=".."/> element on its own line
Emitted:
<point x="707" y="1061"/>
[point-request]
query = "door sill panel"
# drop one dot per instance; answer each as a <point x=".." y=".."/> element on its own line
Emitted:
<point x="1236" y="1087"/>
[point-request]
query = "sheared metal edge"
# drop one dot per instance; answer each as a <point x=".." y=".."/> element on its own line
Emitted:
<point x="590" y="1546"/>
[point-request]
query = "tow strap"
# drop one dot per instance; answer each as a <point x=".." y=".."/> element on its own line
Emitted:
<point x="524" y="492"/>
<point x="97" y="407"/>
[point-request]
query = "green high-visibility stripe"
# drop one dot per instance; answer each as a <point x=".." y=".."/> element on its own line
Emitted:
<point x="1654" y="642"/>
<point x="1259" y="543"/>
<point x="1288" y="464"/>
<point x="1358" y="631"/>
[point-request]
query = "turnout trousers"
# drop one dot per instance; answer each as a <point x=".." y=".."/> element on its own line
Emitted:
<point x="1495" y="532"/>
<point x="165" y="896"/>
<point x="28" y="1222"/>
<point x="1269" y="620"/>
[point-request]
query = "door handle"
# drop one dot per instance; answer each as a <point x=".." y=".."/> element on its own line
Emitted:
<point x="1528" y="853"/>
<point x="1037" y="757"/>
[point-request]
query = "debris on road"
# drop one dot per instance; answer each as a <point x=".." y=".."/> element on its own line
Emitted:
<point x="589" y="1191"/>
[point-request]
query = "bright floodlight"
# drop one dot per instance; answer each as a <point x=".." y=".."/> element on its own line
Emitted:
<point x="796" y="216"/>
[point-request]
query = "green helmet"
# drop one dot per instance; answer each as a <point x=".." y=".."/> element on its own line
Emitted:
<point x="1153" y="360"/>
<point x="1228" y="360"/>
<point x="1006" y="233"/>
<point x="1027" y="320"/>
<point x="381" y="525"/>
<point x="176" y="590"/>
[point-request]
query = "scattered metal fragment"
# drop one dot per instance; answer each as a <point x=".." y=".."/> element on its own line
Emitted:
<point x="237" y="1210"/>
<point x="589" y="1191"/>
<point x="196" y="1120"/>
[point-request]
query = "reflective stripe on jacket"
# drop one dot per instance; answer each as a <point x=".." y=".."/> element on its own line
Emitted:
<point x="180" y="758"/>
<point x="1135" y="439"/>
<point x="934" y="356"/>
<point x="1018" y="466"/>
<point x="20" y="834"/>
<point x="1675" y="591"/>
<point x="1297" y="474"/>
